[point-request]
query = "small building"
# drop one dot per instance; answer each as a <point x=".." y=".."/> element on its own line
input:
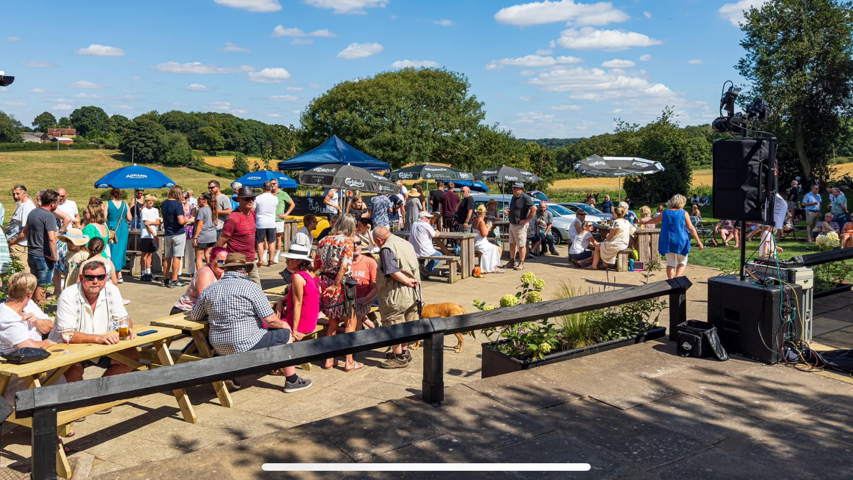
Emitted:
<point x="63" y="140"/>
<point x="62" y="132"/>
<point x="35" y="137"/>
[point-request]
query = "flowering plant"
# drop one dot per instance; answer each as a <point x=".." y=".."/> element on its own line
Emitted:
<point x="827" y="241"/>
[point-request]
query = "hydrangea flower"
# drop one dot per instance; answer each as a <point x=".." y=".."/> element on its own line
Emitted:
<point x="533" y="297"/>
<point x="528" y="277"/>
<point x="539" y="284"/>
<point x="509" y="300"/>
<point x="545" y="348"/>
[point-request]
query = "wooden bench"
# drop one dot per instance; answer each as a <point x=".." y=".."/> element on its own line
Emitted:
<point x="453" y="264"/>
<point x="623" y="259"/>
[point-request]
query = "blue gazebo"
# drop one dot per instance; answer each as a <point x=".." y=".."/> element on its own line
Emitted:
<point x="333" y="150"/>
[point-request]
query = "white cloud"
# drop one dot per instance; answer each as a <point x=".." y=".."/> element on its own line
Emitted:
<point x="603" y="84"/>
<point x="544" y="52"/>
<point x="274" y="115"/>
<point x="579" y="14"/>
<point x="199" y="68"/>
<point x="302" y="41"/>
<point x="733" y="12"/>
<point x="252" y="5"/>
<point x="36" y="64"/>
<point x="538" y="125"/>
<point x="695" y="61"/>
<point x="350" y="7"/>
<point x="647" y="14"/>
<point x="296" y="112"/>
<point x="588" y="38"/>
<point x="63" y="107"/>
<point x="284" y="98"/>
<point x="616" y="63"/>
<point x="230" y="47"/>
<point x="531" y="61"/>
<point x="88" y="95"/>
<point x="295" y="89"/>
<point x="414" y="64"/>
<point x="100" y="51"/>
<point x="360" y="50"/>
<point x="197" y="87"/>
<point x="324" y="33"/>
<point x="565" y="108"/>
<point x="137" y="79"/>
<point x="269" y="75"/>
<point x="38" y="91"/>
<point x="221" y="106"/>
<point x="444" y="22"/>
<point x="85" y="84"/>
<point x="296" y="33"/>
<point x="123" y="107"/>
<point x="280" y="31"/>
<point x="240" y="111"/>
<point x="13" y="39"/>
<point x="645" y="58"/>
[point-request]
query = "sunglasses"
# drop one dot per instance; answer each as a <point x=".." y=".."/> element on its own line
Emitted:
<point x="357" y="244"/>
<point x="99" y="278"/>
<point x="210" y="188"/>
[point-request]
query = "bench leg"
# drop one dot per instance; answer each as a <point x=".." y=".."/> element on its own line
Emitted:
<point x="180" y="395"/>
<point x="452" y="271"/>
<point x="204" y="352"/>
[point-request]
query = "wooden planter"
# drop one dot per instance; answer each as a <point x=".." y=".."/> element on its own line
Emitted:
<point x="496" y="363"/>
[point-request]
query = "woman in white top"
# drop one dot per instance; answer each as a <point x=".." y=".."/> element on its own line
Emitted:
<point x="265" y="207"/>
<point x="331" y="201"/>
<point x="148" y="240"/>
<point x="617" y="240"/>
<point x="490" y="259"/>
<point x="579" y="253"/>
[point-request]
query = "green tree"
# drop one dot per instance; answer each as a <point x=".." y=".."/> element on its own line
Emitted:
<point x="9" y="132"/>
<point x="664" y="142"/>
<point x="210" y="140"/>
<point x="64" y="122"/>
<point x="798" y="58"/>
<point x="404" y="116"/>
<point x="44" y="121"/>
<point x="240" y="166"/>
<point x="176" y="150"/>
<point x="143" y="140"/>
<point x="90" y="120"/>
<point x="117" y="123"/>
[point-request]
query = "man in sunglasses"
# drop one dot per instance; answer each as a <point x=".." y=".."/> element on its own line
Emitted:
<point x="90" y="309"/>
<point x="238" y="234"/>
<point x="223" y="204"/>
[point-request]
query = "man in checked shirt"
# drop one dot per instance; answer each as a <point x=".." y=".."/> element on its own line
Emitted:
<point x="237" y="309"/>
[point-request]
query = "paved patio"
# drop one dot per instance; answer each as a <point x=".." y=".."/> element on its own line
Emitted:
<point x="639" y="411"/>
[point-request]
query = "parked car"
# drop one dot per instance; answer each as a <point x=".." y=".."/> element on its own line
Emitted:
<point x="539" y="195"/>
<point x="592" y="214"/>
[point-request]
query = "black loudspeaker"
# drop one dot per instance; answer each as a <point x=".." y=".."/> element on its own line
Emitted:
<point x="745" y="172"/>
<point x="749" y="317"/>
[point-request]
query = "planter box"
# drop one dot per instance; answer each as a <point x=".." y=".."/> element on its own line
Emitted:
<point x="496" y="363"/>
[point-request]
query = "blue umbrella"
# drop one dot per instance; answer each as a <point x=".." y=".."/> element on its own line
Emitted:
<point x="135" y="176"/>
<point x="257" y="179"/>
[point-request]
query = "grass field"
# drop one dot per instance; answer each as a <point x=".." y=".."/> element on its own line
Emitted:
<point x="77" y="171"/>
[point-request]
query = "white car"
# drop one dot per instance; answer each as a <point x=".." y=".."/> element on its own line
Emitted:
<point x="593" y="214"/>
<point x="563" y="220"/>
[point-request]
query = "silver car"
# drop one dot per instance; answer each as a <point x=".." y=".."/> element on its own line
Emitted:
<point x="563" y="220"/>
<point x="592" y="214"/>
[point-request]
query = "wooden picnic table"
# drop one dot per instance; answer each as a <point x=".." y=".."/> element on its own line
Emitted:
<point x="443" y="245"/>
<point x="46" y="372"/>
<point x="644" y="240"/>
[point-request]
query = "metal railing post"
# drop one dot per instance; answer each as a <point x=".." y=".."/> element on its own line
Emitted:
<point x="44" y="444"/>
<point x="432" y="387"/>
<point x="677" y="312"/>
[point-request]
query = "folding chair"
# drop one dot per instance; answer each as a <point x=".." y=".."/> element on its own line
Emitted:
<point x="705" y="231"/>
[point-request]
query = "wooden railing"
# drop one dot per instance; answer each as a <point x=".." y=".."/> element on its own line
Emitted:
<point x="42" y="404"/>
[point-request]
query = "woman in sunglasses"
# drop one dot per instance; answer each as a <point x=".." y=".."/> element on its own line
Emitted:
<point x="203" y="278"/>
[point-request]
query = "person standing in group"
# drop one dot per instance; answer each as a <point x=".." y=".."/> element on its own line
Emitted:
<point x="520" y="212"/>
<point x="448" y="206"/>
<point x="465" y="211"/>
<point x="838" y="206"/>
<point x="235" y="187"/>
<point x="223" y="205"/>
<point x="435" y="202"/>
<point x="18" y="243"/>
<point x="175" y="236"/>
<point x="380" y="207"/>
<point x="118" y="216"/>
<point x="238" y="234"/>
<point x="136" y="206"/>
<point x="5" y="257"/>
<point x="413" y="209"/>
<point x="397" y="212"/>
<point x="266" y="205"/>
<point x="282" y="211"/>
<point x="149" y="242"/>
<point x="332" y="202"/>
<point x="202" y="279"/>
<point x="68" y="207"/>
<point x="97" y="226"/>
<point x="40" y="233"/>
<point x="398" y="282"/>
<point x="204" y="233"/>
<point x="402" y="190"/>
<point x="192" y="201"/>
<point x="674" y="242"/>
<point x="792" y="194"/>
<point x="190" y="211"/>
<point x="811" y="202"/>
<point x="490" y="259"/>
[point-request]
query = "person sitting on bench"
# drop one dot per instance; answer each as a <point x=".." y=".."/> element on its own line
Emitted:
<point x="421" y="238"/>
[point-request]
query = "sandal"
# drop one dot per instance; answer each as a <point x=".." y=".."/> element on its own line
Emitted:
<point x="337" y="364"/>
<point x="358" y="366"/>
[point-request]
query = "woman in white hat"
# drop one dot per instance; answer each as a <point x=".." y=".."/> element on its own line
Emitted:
<point x="77" y="254"/>
<point x="300" y="308"/>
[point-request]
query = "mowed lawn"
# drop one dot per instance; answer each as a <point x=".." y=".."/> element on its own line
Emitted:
<point x="77" y="171"/>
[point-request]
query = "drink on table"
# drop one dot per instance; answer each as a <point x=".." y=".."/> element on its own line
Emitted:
<point x="123" y="328"/>
<point x="67" y="335"/>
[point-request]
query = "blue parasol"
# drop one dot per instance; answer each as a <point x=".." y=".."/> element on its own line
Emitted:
<point x="135" y="176"/>
<point x="257" y="179"/>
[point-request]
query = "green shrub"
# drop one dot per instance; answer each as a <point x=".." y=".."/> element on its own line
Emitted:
<point x="38" y="147"/>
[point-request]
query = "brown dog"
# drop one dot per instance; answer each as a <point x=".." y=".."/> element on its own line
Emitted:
<point x="443" y="310"/>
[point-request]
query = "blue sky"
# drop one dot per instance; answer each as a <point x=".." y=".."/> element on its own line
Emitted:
<point x="544" y="69"/>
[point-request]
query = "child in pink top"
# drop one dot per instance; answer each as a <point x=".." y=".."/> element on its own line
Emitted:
<point x="303" y="297"/>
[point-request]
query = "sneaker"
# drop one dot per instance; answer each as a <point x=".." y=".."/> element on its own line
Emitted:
<point x="554" y="252"/>
<point x="299" y="384"/>
<point x="178" y="284"/>
<point x="166" y="283"/>
<point x="394" y="363"/>
<point x="120" y="280"/>
<point x="408" y="355"/>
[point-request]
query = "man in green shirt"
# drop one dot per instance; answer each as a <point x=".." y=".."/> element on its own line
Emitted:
<point x="281" y="214"/>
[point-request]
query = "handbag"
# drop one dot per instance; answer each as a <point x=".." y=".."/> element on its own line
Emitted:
<point x="20" y="356"/>
<point x="113" y="238"/>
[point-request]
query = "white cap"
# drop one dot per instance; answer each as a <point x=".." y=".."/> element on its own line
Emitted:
<point x="425" y="215"/>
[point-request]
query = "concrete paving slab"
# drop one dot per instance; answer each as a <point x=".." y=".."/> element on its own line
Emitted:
<point x="131" y="451"/>
<point x="524" y="391"/>
<point x="378" y="390"/>
<point x="101" y="467"/>
<point x="822" y="325"/>
<point x="642" y="444"/>
<point x="716" y="464"/>
<point x="840" y="339"/>
<point x="829" y="419"/>
<point x="557" y="447"/>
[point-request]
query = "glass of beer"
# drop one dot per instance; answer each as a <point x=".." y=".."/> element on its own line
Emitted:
<point x="123" y="328"/>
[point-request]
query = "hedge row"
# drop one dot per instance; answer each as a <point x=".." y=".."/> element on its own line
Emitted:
<point x="37" y="147"/>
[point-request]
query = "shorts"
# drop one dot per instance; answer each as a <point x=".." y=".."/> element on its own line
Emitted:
<point x="673" y="259"/>
<point x="393" y="318"/>
<point x="103" y="362"/>
<point x="362" y="310"/>
<point x="273" y="338"/>
<point x="518" y="234"/>
<point x="255" y="276"/>
<point x="262" y="234"/>
<point x="175" y="245"/>
<point x="42" y="268"/>
<point x="205" y="246"/>
<point x="20" y="254"/>
<point x="279" y="227"/>
<point x="147" y="245"/>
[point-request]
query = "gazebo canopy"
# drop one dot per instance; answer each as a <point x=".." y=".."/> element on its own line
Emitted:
<point x="333" y="150"/>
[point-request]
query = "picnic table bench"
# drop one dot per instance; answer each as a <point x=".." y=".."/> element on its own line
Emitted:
<point x="48" y="371"/>
<point x="443" y="243"/>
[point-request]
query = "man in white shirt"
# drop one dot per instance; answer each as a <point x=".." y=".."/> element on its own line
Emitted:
<point x="18" y="242"/>
<point x="421" y="238"/>
<point x="68" y="207"/>
<point x="91" y="309"/>
<point x="265" y="207"/>
<point x="304" y="235"/>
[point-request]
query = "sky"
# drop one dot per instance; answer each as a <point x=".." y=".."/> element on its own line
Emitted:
<point x="542" y="69"/>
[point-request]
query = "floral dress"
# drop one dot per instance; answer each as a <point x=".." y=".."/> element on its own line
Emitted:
<point x="332" y="252"/>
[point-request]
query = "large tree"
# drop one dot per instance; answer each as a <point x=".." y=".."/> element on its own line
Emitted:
<point x="143" y="140"/>
<point x="798" y="57"/>
<point x="90" y="121"/>
<point x="9" y="132"/>
<point x="404" y="116"/>
<point x="44" y="121"/>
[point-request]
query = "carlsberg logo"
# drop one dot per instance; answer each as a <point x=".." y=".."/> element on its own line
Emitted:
<point x="511" y="178"/>
<point x="325" y="170"/>
<point x="351" y="182"/>
<point x="405" y="175"/>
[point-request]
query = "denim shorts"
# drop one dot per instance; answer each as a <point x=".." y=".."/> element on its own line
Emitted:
<point x="42" y="268"/>
<point x="273" y="338"/>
